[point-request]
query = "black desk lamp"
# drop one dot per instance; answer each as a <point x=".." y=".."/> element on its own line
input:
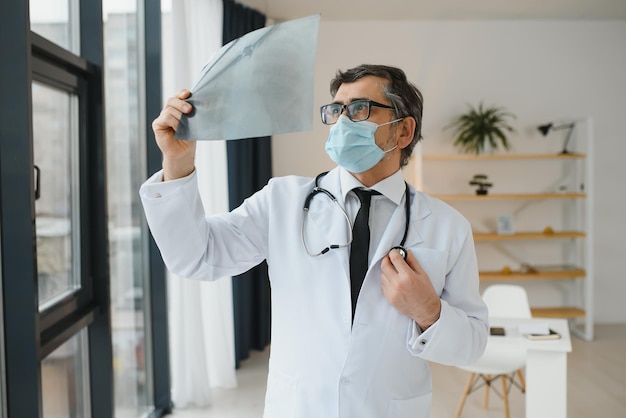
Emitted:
<point x="544" y="129"/>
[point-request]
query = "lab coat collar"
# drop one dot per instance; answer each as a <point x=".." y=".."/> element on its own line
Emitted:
<point x="391" y="187"/>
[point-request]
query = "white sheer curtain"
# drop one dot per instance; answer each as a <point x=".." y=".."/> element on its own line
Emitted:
<point x="201" y="313"/>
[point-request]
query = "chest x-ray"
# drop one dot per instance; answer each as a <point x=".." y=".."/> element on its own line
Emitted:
<point x="257" y="85"/>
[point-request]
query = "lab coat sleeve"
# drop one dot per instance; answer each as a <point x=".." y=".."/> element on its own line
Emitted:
<point x="194" y="246"/>
<point x="460" y="334"/>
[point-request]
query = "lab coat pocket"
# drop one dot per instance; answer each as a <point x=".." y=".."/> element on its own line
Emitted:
<point x="280" y="398"/>
<point x="434" y="263"/>
<point x="418" y="407"/>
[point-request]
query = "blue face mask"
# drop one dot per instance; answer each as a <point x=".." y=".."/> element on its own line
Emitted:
<point x="352" y="144"/>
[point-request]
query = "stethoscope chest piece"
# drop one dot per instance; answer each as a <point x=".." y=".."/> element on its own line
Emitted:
<point x="401" y="250"/>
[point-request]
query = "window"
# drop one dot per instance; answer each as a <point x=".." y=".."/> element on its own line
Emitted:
<point x="55" y="143"/>
<point x="57" y="21"/>
<point x="65" y="380"/>
<point x="68" y="250"/>
<point x="128" y="243"/>
<point x="78" y="275"/>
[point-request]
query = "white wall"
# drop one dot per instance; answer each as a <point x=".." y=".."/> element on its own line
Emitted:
<point x="540" y="70"/>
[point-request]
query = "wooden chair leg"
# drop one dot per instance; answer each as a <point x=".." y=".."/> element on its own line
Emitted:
<point x="505" y="397"/>
<point x="522" y="382"/>
<point x="468" y="388"/>
<point x="487" y="388"/>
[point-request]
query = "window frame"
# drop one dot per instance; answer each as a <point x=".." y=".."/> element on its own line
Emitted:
<point x="55" y="67"/>
<point x="30" y="335"/>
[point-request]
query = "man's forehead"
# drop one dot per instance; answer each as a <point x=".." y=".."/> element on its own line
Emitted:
<point x="370" y="87"/>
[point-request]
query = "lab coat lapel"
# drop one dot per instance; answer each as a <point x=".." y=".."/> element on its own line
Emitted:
<point x="395" y="228"/>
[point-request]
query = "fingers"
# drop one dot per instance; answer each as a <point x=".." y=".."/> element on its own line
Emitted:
<point x="183" y="94"/>
<point x="169" y="118"/>
<point x="387" y="266"/>
<point x="399" y="272"/>
<point x="413" y="263"/>
<point x="394" y="263"/>
<point x="404" y="266"/>
<point x="408" y="288"/>
<point x="178" y="102"/>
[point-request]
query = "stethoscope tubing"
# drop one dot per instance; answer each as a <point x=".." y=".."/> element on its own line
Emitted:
<point x="307" y="202"/>
<point x="317" y="189"/>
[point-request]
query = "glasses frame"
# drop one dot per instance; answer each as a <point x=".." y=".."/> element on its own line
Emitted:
<point x="370" y="103"/>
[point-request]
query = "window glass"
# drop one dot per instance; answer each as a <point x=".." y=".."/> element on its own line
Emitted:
<point x="65" y="380"/>
<point x="55" y="154"/>
<point x="57" y="21"/>
<point x="125" y="120"/>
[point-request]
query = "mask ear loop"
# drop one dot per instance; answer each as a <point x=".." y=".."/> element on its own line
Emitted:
<point x="391" y="121"/>
<point x="388" y="123"/>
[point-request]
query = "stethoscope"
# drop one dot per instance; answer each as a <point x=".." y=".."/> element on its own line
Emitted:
<point x="317" y="189"/>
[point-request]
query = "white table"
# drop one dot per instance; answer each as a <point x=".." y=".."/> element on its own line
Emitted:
<point x="546" y="365"/>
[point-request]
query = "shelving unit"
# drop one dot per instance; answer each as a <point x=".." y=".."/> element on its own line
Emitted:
<point x="561" y="200"/>
<point x="511" y="196"/>
<point x="539" y="275"/>
<point x="528" y="236"/>
<point x="472" y="157"/>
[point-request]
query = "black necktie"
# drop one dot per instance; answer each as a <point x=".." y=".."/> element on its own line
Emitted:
<point x="359" y="250"/>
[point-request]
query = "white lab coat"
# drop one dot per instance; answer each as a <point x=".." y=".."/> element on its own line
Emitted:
<point x="320" y="365"/>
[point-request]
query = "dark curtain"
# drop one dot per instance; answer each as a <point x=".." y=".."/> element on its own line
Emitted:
<point x="249" y="169"/>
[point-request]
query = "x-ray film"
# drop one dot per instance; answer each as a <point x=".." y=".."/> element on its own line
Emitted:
<point x="258" y="85"/>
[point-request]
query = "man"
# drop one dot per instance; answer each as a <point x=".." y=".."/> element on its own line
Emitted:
<point x="344" y="343"/>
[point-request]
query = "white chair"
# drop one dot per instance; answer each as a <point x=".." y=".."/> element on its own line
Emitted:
<point x="503" y="301"/>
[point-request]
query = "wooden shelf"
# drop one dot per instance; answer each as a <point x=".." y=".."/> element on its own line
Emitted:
<point x="569" y="270"/>
<point x="470" y="157"/>
<point x="558" y="312"/>
<point x="479" y="236"/>
<point x="512" y="196"/>
<point x="518" y="275"/>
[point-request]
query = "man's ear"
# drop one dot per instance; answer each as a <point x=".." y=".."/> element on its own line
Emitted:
<point x="405" y="132"/>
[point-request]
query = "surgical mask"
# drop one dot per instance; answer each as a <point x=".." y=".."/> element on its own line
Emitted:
<point x="352" y="144"/>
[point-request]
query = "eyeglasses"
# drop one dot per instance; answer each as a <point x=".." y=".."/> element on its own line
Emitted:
<point x="357" y="111"/>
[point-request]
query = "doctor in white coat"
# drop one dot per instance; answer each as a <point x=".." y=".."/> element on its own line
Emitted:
<point x="326" y="360"/>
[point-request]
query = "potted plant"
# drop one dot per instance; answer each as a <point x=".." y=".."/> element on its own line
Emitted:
<point x="480" y="180"/>
<point x="482" y="129"/>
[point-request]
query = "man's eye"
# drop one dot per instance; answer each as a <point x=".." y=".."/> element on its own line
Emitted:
<point x="359" y="108"/>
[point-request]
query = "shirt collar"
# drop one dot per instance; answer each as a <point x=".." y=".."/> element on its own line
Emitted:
<point x="391" y="187"/>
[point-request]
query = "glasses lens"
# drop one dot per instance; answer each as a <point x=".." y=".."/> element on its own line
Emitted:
<point x="331" y="112"/>
<point x="359" y="110"/>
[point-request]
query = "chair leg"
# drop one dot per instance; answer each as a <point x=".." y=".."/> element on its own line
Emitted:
<point x="522" y="382"/>
<point x="468" y="388"/>
<point x="505" y="397"/>
<point x="487" y="388"/>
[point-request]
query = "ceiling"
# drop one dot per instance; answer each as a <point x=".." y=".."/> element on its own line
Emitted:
<point x="441" y="9"/>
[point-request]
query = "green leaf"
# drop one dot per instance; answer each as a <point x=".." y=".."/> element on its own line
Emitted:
<point x="481" y="125"/>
